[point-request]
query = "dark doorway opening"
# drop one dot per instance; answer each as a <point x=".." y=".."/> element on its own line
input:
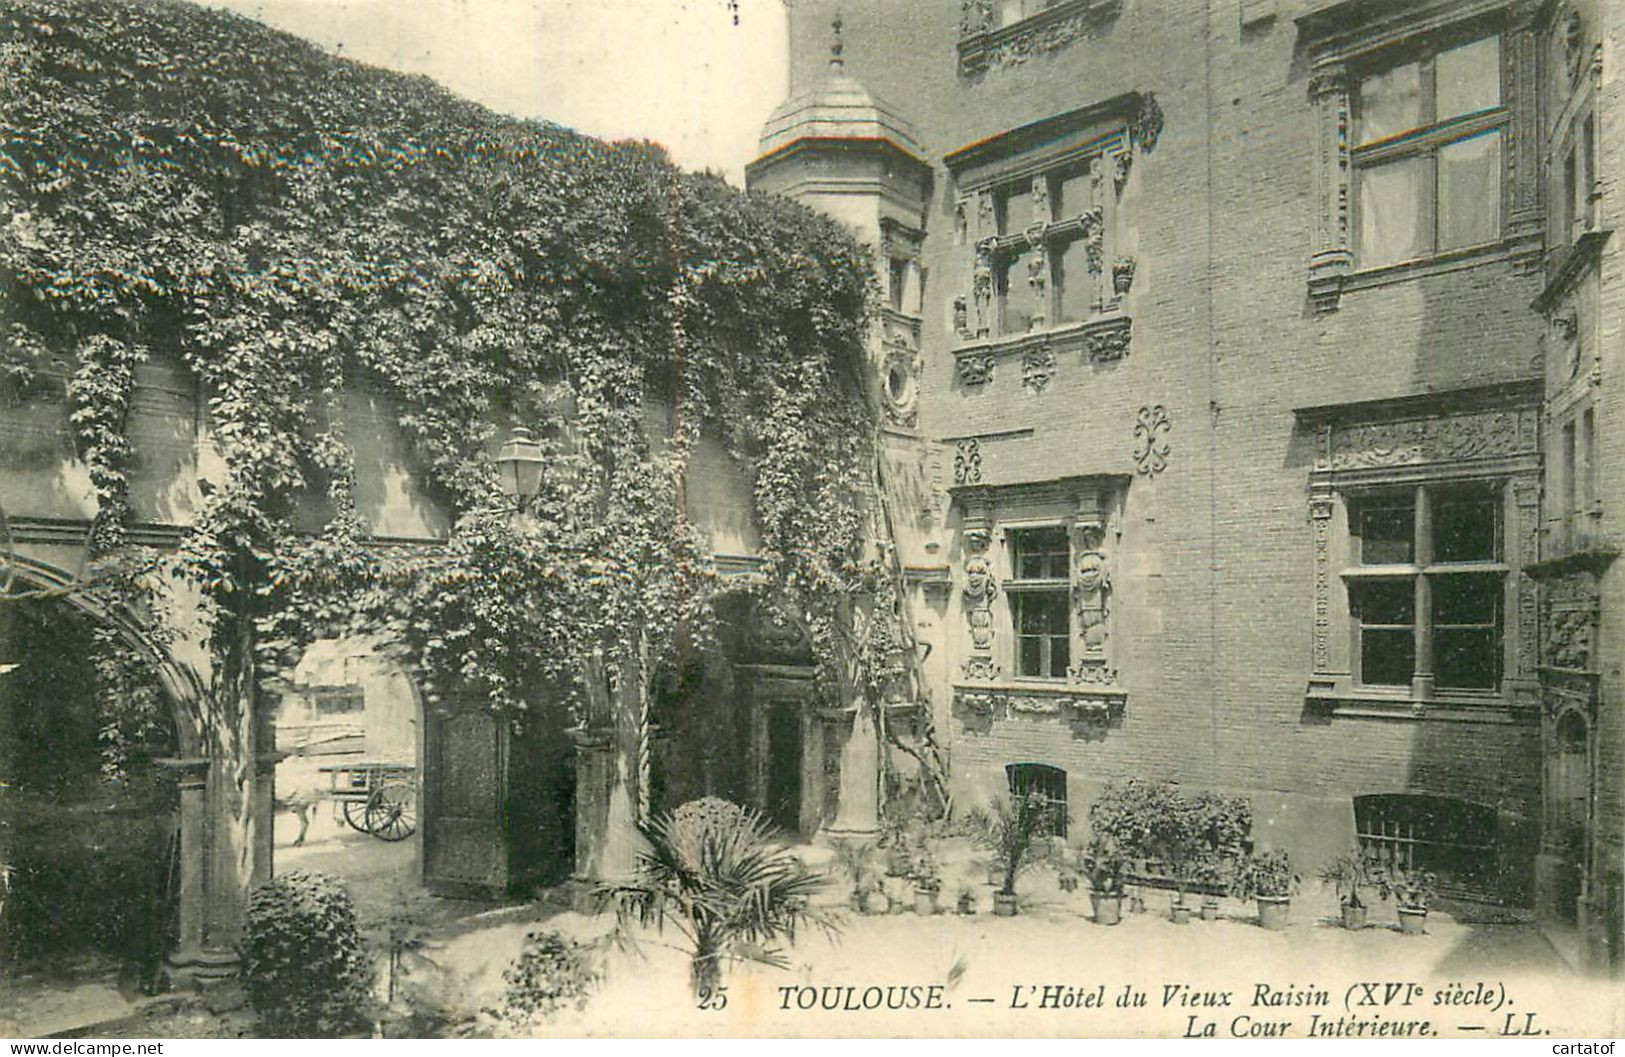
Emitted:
<point x="784" y="765"/>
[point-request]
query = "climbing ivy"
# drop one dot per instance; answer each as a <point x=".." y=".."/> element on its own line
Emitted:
<point x="186" y="184"/>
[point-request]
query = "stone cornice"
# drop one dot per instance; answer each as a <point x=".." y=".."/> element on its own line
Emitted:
<point x="1580" y="257"/>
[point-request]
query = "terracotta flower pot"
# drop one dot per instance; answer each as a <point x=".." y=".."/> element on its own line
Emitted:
<point x="925" y="901"/>
<point x="1413" y="920"/>
<point x="1179" y="914"/>
<point x="967" y="904"/>
<point x="1274" y="912"/>
<point x="1354" y="916"/>
<point x="1108" y="908"/>
<point x="1210" y="910"/>
<point x="1004" y="904"/>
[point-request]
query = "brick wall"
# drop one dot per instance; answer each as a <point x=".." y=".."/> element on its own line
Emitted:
<point x="1212" y="572"/>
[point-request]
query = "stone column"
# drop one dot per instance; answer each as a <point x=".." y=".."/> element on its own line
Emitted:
<point x="811" y="812"/>
<point x="1333" y="257"/>
<point x="857" y="818"/>
<point x="607" y="755"/>
<point x="194" y="957"/>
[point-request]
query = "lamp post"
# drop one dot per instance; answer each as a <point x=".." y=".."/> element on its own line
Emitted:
<point x="519" y="465"/>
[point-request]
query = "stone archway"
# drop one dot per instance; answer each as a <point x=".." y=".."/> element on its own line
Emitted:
<point x="741" y="720"/>
<point x="222" y="805"/>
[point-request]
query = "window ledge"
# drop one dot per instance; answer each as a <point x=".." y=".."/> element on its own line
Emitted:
<point x="1327" y="287"/>
<point x="981" y="703"/>
<point x="1104" y="339"/>
<point x="1327" y="699"/>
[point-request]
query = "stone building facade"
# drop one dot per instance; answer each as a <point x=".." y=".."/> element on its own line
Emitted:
<point x="1247" y="365"/>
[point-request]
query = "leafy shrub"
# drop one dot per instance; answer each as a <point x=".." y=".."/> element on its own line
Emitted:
<point x="303" y="962"/>
<point x="1264" y="875"/>
<point x="550" y="974"/>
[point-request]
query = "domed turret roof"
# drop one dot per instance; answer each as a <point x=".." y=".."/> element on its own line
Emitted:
<point x="837" y="108"/>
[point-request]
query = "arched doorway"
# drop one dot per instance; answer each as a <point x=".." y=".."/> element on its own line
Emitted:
<point x="90" y="842"/>
<point x="739" y="718"/>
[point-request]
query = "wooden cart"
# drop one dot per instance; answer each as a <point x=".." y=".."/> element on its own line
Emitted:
<point x="376" y="798"/>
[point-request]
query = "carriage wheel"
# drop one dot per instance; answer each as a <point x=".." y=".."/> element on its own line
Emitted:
<point x="392" y="812"/>
<point x="355" y="813"/>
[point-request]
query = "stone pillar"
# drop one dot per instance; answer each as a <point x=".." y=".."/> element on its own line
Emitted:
<point x="607" y="773"/>
<point x="857" y="817"/>
<point x="194" y="957"/>
<point x="811" y="812"/>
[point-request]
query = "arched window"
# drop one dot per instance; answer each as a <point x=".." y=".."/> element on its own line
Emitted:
<point x="1040" y="779"/>
<point x="1455" y="839"/>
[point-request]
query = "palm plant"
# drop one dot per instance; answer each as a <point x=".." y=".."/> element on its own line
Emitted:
<point x="720" y="877"/>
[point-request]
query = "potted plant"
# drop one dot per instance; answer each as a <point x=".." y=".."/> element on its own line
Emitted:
<point x="1221" y="825"/>
<point x="1411" y="891"/>
<point x="854" y="860"/>
<point x="1012" y="829"/>
<point x="927" y="886"/>
<point x="1268" y="878"/>
<point x="1104" y="864"/>
<point x="1347" y="874"/>
<point x="967" y="900"/>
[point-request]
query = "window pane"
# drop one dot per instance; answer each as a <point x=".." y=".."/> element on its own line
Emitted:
<point x="1018" y="209"/>
<point x="1032" y="656"/>
<point x="1074" y="285"/>
<point x="1464" y="528"/>
<point x="1466" y="658"/>
<point x="1074" y="193"/>
<point x="1468" y="78"/>
<point x="1040" y="554"/>
<point x="1387" y="657"/>
<point x="1060" y="655"/>
<point x="1474" y="599"/>
<point x="1390" y="103"/>
<point x="1016" y="295"/>
<point x="1386" y="601"/>
<point x="1470" y="191"/>
<point x="1387" y="534"/>
<point x="1388" y="212"/>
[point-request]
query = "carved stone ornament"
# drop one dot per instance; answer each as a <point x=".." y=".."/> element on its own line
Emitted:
<point x="1574" y="49"/>
<point x="899" y="385"/>
<point x="1093" y="223"/>
<point x="1122" y="162"/>
<point x="1147" y="127"/>
<point x="1471" y="435"/>
<point x="1151" y="446"/>
<point x="1091" y="593"/>
<point x="1092" y="673"/>
<point x="1123" y="275"/>
<point x="968" y="462"/>
<point x="1037" y="367"/>
<point x="1109" y="341"/>
<point x="1568" y="640"/>
<point x="1041" y="204"/>
<point x="983" y="43"/>
<point x="980" y="666"/>
<point x="975" y="370"/>
<point x="962" y="316"/>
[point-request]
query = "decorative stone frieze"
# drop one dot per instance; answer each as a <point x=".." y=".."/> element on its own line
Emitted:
<point x="1099" y="704"/>
<point x="983" y="44"/>
<point x="1321" y="508"/>
<point x="1438" y="438"/>
<point x="1151" y="447"/>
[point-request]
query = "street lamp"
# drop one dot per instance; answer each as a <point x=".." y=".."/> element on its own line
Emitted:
<point x="519" y="464"/>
